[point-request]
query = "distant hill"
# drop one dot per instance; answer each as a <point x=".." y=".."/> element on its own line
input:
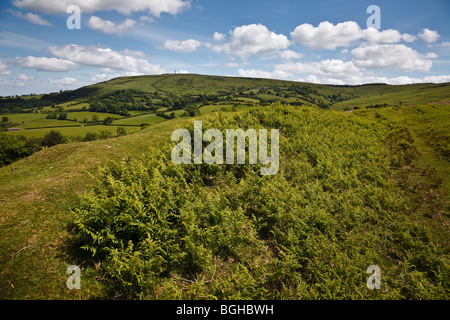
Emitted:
<point x="192" y="84"/>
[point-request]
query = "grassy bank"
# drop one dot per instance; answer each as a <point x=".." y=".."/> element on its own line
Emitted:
<point x="353" y="190"/>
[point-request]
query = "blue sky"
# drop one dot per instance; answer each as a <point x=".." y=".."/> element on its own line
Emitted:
<point x="320" y="41"/>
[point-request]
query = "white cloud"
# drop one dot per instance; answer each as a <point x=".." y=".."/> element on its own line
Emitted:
<point x="105" y="58"/>
<point x="374" y="36"/>
<point x="329" y="67"/>
<point x="218" y="36"/>
<point x="61" y="82"/>
<point x="103" y="77"/>
<point x="4" y="68"/>
<point x="337" y="67"/>
<point x="45" y="64"/>
<point x="106" y="70"/>
<point x="255" y="73"/>
<point x="397" y="57"/>
<point x="401" y="80"/>
<point x="216" y="48"/>
<point x="428" y="35"/>
<point x="110" y="27"/>
<point x="143" y="19"/>
<point x="327" y="35"/>
<point x="108" y="76"/>
<point x="431" y="55"/>
<point x="445" y="44"/>
<point x="408" y="80"/>
<point x="31" y="17"/>
<point x="336" y="72"/>
<point x="254" y="39"/>
<point x="333" y="71"/>
<point x="393" y="81"/>
<point x="138" y="53"/>
<point x="334" y="81"/>
<point x="181" y="46"/>
<point x="154" y="7"/>
<point x="22" y="80"/>
<point x="312" y="78"/>
<point x="408" y="37"/>
<point x="437" y="79"/>
<point x="290" y="55"/>
<point x="232" y="64"/>
<point x="24" y="77"/>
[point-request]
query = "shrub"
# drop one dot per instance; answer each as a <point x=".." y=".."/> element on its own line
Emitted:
<point x="91" y="136"/>
<point x="53" y="138"/>
<point x="108" y="121"/>
<point x="120" y="131"/>
<point x="62" y="116"/>
<point x="11" y="149"/>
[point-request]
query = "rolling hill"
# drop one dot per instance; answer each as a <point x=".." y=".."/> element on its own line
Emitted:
<point x="261" y="90"/>
<point x="192" y="84"/>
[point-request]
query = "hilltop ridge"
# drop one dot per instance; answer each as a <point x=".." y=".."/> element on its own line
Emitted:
<point x="229" y="89"/>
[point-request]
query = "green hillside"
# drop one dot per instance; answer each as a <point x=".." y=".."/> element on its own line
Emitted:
<point x="260" y="90"/>
<point x="353" y="190"/>
<point x="131" y="102"/>
<point x="191" y="84"/>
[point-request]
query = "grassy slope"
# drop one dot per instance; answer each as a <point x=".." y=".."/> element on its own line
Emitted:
<point x="35" y="195"/>
<point x="138" y="120"/>
<point x="396" y="95"/>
